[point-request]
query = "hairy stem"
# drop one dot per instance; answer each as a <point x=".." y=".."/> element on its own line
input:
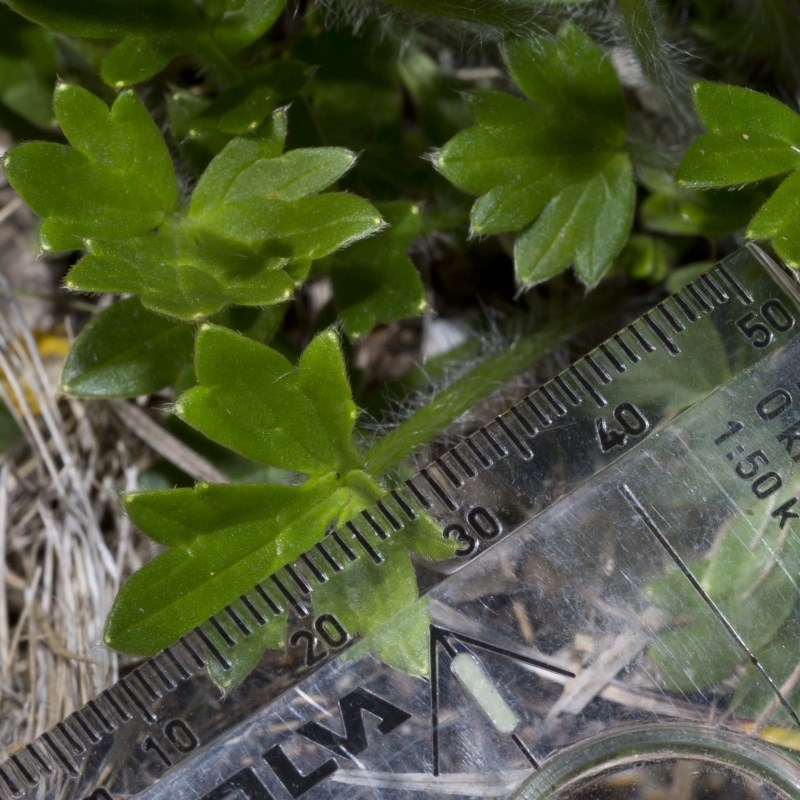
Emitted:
<point x="644" y="30"/>
<point x="504" y="16"/>
<point x="429" y="421"/>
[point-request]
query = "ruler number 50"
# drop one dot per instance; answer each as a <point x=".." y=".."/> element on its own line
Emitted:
<point x="766" y="483"/>
<point x="758" y="326"/>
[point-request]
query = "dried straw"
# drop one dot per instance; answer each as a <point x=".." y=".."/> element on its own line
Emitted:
<point x="66" y="541"/>
<point x="67" y="544"/>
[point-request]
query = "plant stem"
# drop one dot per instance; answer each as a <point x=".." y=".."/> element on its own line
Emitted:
<point x="229" y="70"/>
<point x="654" y="53"/>
<point x="485" y="378"/>
<point x="504" y="16"/>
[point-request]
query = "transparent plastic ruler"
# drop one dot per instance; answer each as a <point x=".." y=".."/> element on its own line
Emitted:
<point x="623" y="602"/>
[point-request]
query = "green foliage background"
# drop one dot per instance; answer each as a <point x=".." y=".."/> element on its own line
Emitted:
<point x="209" y="162"/>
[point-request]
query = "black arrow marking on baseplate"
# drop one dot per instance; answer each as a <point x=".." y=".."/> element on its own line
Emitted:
<point x="441" y="637"/>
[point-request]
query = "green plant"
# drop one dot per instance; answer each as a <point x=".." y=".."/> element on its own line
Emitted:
<point x="750" y="139"/>
<point x="750" y="577"/>
<point x="213" y="160"/>
<point x="556" y="169"/>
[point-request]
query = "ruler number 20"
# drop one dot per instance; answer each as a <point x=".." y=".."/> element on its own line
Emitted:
<point x="759" y="327"/>
<point x="327" y="629"/>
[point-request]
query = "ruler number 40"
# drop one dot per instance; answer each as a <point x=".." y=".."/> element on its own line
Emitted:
<point x="627" y="420"/>
<point x="759" y="326"/>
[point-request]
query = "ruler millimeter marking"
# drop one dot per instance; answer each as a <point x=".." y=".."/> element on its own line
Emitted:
<point x="442" y="490"/>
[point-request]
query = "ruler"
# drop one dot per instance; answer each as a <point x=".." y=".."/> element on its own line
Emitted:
<point x="622" y="601"/>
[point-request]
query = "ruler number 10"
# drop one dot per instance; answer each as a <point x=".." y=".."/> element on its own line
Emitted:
<point x="759" y="326"/>
<point x="178" y="736"/>
<point x="627" y="420"/>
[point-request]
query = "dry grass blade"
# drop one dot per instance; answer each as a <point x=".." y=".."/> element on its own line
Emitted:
<point x="66" y="543"/>
<point x="161" y="441"/>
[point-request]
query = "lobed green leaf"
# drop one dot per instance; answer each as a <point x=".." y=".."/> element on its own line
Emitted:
<point x="586" y="224"/>
<point x="117" y="179"/>
<point x="186" y="274"/>
<point x="203" y="126"/>
<point x="238" y="175"/>
<point x="237" y="156"/>
<point x="308" y="228"/>
<point x="291" y="176"/>
<point x="777" y="220"/>
<point x="254" y="401"/>
<point x="570" y="75"/>
<point x="27" y="68"/>
<point x="751" y="137"/>
<point x="126" y="351"/>
<point x="253" y="226"/>
<point x="732" y="159"/>
<point x="224" y="540"/>
<point x="553" y="168"/>
<point x="724" y="108"/>
<point x="80" y="199"/>
<point x="110" y="18"/>
<point x="375" y="281"/>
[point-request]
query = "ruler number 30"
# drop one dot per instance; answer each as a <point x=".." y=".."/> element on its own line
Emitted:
<point x="759" y="326"/>
<point x="481" y="524"/>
